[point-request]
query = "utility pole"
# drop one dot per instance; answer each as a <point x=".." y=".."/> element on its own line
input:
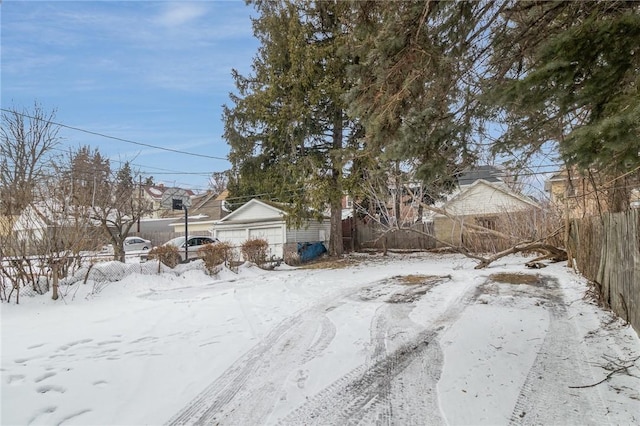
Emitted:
<point x="139" y="201"/>
<point x="186" y="234"/>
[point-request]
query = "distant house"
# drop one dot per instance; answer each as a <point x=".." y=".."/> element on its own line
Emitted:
<point x="578" y="195"/>
<point x="210" y="204"/>
<point x="32" y="224"/>
<point x="260" y="219"/>
<point x="575" y="195"/>
<point x="154" y="195"/>
<point x="205" y="210"/>
<point x="42" y="222"/>
<point x="482" y="199"/>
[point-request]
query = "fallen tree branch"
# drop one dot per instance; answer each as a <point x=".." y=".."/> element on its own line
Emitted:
<point x="624" y="368"/>
<point x="549" y="252"/>
<point x="518" y="244"/>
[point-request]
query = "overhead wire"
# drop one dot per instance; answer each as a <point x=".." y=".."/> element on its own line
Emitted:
<point x="78" y="129"/>
<point x="145" y="169"/>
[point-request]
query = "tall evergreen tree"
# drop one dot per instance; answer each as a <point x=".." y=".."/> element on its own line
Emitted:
<point x="570" y="72"/>
<point x="416" y="68"/>
<point x="287" y="127"/>
<point x="86" y="175"/>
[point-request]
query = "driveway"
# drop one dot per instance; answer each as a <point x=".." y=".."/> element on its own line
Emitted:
<point x="396" y="340"/>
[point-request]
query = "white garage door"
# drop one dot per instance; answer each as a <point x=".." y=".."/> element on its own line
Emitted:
<point x="274" y="237"/>
<point x="234" y="236"/>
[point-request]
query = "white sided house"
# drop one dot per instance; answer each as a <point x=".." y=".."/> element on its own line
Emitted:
<point x="488" y="204"/>
<point x="257" y="219"/>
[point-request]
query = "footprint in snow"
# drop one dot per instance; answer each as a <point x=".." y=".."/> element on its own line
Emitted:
<point x="302" y="378"/>
<point x="15" y="379"/>
<point x="74" y="343"/>
<point x="42" y="411"/>
<point x="108" y="342"/>
<point x="44" y="376"/>
<point x="50" y="388"/>
<point x="39" y="345"/>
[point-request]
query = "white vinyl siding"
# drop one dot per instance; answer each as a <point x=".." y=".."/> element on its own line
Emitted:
<point x="483" y="199"/>
<point x="258" y="212"/>
<point x="316" y="231"/>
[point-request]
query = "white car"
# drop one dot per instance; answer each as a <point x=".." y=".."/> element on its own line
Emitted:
<point x="136" y="244"/>
<point x="194" y="243"/>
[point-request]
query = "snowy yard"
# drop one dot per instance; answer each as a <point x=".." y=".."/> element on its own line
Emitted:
<point x="419" y="339"/>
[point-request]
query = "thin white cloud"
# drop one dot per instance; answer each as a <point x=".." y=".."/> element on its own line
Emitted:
<point x="178" y="14"/>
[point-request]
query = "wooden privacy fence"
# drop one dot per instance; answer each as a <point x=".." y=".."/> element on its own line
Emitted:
<point x="607" y="251"/>
<point x="373" y="236"/>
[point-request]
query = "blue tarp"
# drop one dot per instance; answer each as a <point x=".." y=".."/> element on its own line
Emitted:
<point x="310" y="251"/>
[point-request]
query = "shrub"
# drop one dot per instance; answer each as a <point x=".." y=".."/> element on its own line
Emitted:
<point x="255" y="250"/>
<point x="215" y="255"/>
<point x="292" y="258"/>
<point x="167" y="255"/>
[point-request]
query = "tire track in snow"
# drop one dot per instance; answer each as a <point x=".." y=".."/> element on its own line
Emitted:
<point x="397" y="385"/>
<point x="545" y="397"/>
<point x="256" y="376"/>
<point x="363" y="395"/>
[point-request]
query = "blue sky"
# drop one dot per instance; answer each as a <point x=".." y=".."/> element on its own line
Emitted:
<point x="154" y="72"/>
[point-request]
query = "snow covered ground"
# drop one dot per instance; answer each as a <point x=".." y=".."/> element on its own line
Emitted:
<point x="404" y="339"/>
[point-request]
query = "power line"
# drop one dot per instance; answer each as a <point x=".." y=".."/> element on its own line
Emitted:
<point x="115" y="137"/>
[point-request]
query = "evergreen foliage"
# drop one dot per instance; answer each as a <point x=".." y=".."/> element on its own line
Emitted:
<point x="569" y="72"/>
<point x="287" y="126"/>
<point x="111" y="197"/>
<point x="417" y="87"/>
<point x="88" y="170"/>
<point x="353" y="90"/>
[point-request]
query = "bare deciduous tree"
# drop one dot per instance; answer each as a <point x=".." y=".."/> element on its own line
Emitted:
<point x="27" y="139"/>
<point x="218" y="182"/>
<point x="119" y="207"/>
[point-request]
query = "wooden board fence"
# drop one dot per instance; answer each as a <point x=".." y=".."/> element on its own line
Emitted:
<point x="373" y="236"/>
<point x="607" y="251"/>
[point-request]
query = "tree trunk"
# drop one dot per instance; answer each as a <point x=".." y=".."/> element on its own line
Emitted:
<point x="398" y="196"/>
<point x="335" y="240"/>
<point x="354" y="230"/>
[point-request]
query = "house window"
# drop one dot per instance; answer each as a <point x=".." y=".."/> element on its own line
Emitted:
<point x="488" y="222"/>
<point x="349" y="203"/>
